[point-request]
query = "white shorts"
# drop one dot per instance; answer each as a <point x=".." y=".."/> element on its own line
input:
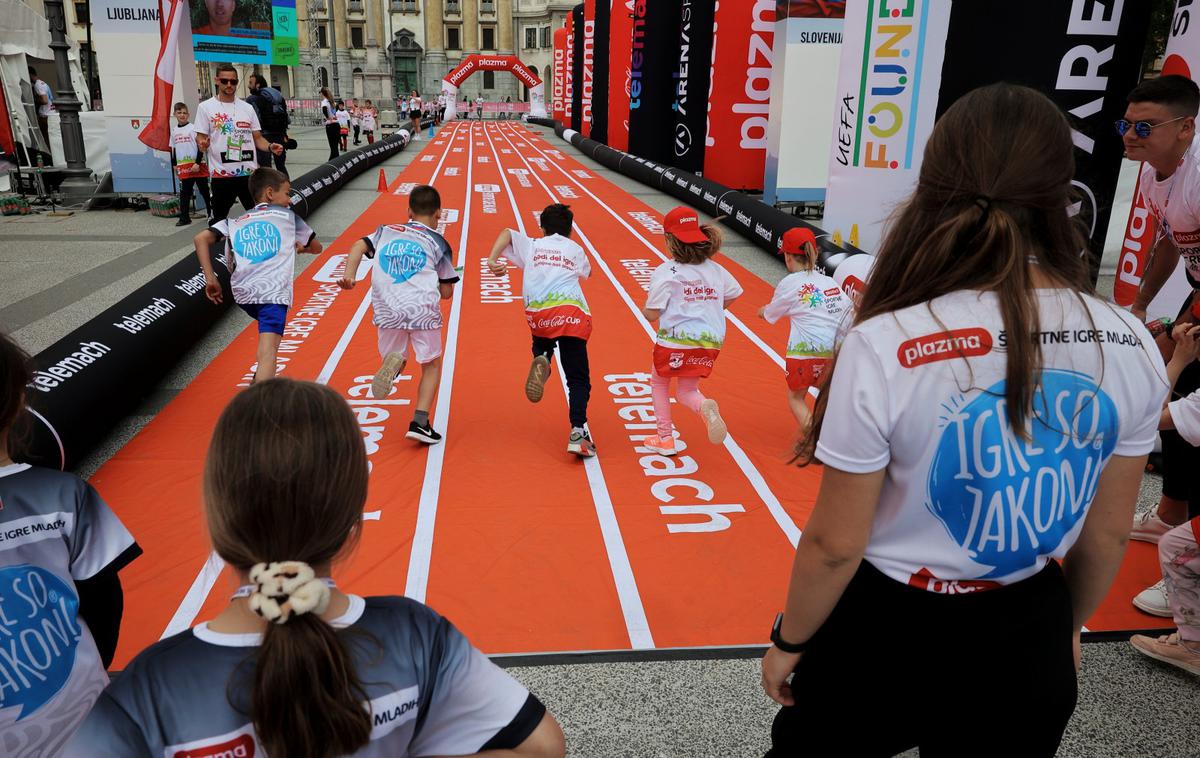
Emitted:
<point x="426" y="343"/>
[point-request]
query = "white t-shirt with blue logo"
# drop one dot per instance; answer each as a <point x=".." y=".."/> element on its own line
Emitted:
<point x="261" y="246"/>
<point x="410" y="261"/>
<point x="967" y="504"/>
<point x="54" y="530"/>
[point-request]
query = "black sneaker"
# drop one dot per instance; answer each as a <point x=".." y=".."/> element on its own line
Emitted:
<point x="423" y="433"/>
<point x="183" y="222"/>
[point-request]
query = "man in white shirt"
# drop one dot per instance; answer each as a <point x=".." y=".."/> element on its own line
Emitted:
<point x="45" y="104"/>
<point x="479" y="107"/>
<point x="228" y="131"/>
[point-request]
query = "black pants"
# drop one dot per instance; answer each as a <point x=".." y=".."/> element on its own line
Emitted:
<point x="333" y="133"/>
<point x="572" y="351"/>
<point x="1181" y="459"/>
<point x="265" y="157"/>
<point x="356" y="128"/>
<point x="225" y="191"/>
<point x="186" y="188"/>
<point x="986" y="674"/>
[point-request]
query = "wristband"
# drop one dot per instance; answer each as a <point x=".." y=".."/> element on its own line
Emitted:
<point x="779" y="642"/>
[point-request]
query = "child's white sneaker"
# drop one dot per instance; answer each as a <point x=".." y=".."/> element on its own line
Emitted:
<point x="1153" y="600"/>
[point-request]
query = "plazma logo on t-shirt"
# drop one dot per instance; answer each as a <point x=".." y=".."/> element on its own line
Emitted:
<point x="402" y="259"/>
<point x="1007" y="501"/>
<point x="257" y="241"/>
<point x="39" y="634"/>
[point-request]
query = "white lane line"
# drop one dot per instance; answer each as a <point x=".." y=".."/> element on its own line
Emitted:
<point x="636" y="625"/>
<point x="776" y="509"/>
<point x="417" y="582"/>
<point x="773" y="355"/>
<point x="197" y="594"/>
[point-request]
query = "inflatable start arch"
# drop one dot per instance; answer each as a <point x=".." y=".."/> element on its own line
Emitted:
<point x="473" y="63"/>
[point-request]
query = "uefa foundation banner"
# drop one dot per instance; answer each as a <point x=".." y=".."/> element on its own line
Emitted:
<point x="246" y="31"/>
<point x="620" y="48"/>
<point x="892" y="53"/>
<point x="739" y="93"/>
<point x="1183" y="58"/>
<point x="654" y="62"/>
<point x="693" y="69"/>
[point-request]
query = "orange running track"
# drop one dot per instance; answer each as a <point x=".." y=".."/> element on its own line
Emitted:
<point x="526" y="548"/>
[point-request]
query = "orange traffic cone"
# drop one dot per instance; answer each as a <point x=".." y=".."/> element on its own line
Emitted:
<point x="383" y="184"/>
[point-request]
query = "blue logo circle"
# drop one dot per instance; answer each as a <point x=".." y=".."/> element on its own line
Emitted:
<point x="1005" y="500"/>
<point x="401" y="260"/>
<point x="39" y="613"/>
<point x="257" y="241"/>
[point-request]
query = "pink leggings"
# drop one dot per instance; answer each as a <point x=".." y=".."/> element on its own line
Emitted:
<point x="687" y="392"/>
<point x="1179" y="553"/>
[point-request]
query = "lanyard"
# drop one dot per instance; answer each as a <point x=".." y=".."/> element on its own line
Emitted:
<point x="246" y="590"/>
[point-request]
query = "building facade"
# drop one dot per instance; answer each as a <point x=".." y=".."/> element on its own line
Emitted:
<point x="534" y="22"/>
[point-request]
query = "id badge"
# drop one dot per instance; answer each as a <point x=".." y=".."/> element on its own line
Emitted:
<point x="233" y="150"/>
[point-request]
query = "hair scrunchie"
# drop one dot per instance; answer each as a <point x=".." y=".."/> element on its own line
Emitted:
<point x="285" y="589"/>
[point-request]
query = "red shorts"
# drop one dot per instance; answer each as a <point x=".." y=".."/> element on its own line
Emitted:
<point x="804" y="372"/>
<point x="684" y="361"/>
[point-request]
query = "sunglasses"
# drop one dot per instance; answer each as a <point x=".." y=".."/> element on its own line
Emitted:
<point x="1141" y="128"/>
<point x="228" y="81"/>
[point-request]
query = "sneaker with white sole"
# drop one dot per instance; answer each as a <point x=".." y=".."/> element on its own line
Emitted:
<point x="535" y="382"/>
<point x="1148" y="527"/>
<point x="381" y="384"/>
<point x="713" y="421"/>
<point x="1169" y="648"/>
<point x="660" y="445"/>
<point x="423" y="433"/>
<point x="1153" y="600"/>
<point x="581" y="444"/>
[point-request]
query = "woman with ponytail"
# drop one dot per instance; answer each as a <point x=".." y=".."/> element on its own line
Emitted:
<point x="985" y="418"/>
<point x="293" y="667"/>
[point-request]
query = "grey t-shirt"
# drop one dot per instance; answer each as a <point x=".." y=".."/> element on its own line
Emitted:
<point x="430" y="692"/>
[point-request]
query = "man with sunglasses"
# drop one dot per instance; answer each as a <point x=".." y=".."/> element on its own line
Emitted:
<point x="1159" y="129"/>
<point x="227" y="129"/>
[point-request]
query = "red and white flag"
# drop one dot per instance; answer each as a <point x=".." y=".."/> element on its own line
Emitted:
<point x="157" y="133"/>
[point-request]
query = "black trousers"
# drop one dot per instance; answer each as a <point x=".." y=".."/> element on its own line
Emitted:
<point x="573" y="353"/>
<point x="186" y="188"/>
<point x="333" y="133"/>
<point x="266" y="157"/>
<point x="985" y="674"/>
<point x="225" y="191"/>
<point x="356" y="129"/>
<point x="1181" y="459"/>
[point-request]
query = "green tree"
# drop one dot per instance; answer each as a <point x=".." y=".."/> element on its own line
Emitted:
<point x="1161" y="12"/>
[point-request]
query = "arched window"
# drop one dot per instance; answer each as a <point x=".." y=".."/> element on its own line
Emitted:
<point x="322" y="76"/>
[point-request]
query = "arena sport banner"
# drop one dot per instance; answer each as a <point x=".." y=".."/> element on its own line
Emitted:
<point x="740" y="92"/>
<point x="654" y="62"/>
<point x="806" y="53"/>
<point x="600" y="70"/>
<point x="559" y="73"/>
<point x="1182" y="58"/>
<point x="88" y="381"/>
<point x="577" y="45"/>
<point x="620" y="49"/>
<point x="246" y="31"/>
<point x="1086" y="56"/>
<point x="692" y="76"/>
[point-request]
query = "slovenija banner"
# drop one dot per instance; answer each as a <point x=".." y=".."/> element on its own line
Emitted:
<point x="559" y="72"/>
<point x="692" y="75"/>
<point x="620" y="48"/>
<point x="1183" y="58"/>
<point x="740" y="93"/>
<point x="653" y="63"/>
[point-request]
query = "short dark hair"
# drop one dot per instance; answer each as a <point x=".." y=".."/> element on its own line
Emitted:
<point x="225" y="67"/>
<point x="264" y="178"/>
<point x="1178" y="92"/>
<point x="424" y="200"/>
<point x="32" y="71"/>
<point x="262" y="80"/>
<point x="178" y="105"/>
<point x="556" y="219"/>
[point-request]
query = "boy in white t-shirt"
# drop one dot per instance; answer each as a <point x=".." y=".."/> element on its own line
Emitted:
<point x="413" y="271"/>
<point x="556" y="310"/>
<point x="260" y="247"/>
<point x="816" y="307"/>
<point x="189" y="166"/>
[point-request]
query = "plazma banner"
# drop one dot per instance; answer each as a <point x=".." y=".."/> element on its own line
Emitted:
<point x="620" y="47"/>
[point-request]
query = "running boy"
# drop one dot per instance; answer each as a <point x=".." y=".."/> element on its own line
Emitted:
<point x="816" y="307"/>
<point x="556" y="311"/>
<point x="261" y="245"/>
<point x="192" y="173"/>
<point x="688" y="297"/>
<point x="413" y="268"/>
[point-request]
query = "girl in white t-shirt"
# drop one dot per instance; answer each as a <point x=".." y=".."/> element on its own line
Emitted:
<point x="343" y="119"/>
<point x="367" y="117"/>
<point x="687" y="297"/>
<point x="816" y="307"/>
<point x="986" y="417"/>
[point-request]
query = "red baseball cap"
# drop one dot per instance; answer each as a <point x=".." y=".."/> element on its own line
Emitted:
<point x="795" y="238"/>
<point x="684" y="224"/>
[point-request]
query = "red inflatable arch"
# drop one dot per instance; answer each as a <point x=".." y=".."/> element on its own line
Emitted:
<point x="510" y="63"/>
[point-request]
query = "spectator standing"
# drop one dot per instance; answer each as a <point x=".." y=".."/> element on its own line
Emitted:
<point x="44" y="100"/>
<point x="479" y="107"/>
<point x="414" y="115"/>
<point x="189" y="165"/>
<point x="227" y="130"/>
<point x="333" y="131"/>
<point x="273" y="116"/>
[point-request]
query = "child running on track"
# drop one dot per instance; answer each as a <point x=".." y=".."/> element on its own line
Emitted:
<point x="261" y="247"/>
<point x="556" y="311"/>
<point x="413" y="269"/>
<point x="291" y="665"/>
<point x="816" y="307"/>
<point x="687" y="297"/>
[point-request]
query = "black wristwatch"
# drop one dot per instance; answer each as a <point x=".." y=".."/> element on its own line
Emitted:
<point x="779" y="642"/>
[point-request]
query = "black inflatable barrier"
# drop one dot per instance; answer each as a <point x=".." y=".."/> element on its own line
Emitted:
<point x="91" y="379"/>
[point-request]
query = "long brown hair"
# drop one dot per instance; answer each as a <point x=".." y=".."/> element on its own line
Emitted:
<point x="286" y="480"/>
<point x="15" y="373"/>
<point x="695" y="252"/>
<point x="991" y="202"/>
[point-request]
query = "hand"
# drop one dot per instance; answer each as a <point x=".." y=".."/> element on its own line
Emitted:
<point x="1187" y="343"/>
<point x="1077" y="649"/>
<point x="777" y="666"/>
<point x="276" y="148"/>
<point x="212" y="290"/>
<point x="498" y="268"/>
<point x="762" y="313"/>
<point x="202" y="142"/>
<point x="346" y="283"/>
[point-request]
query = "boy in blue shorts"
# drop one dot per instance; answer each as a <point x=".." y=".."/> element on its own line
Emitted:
<point x="260" y="247"/>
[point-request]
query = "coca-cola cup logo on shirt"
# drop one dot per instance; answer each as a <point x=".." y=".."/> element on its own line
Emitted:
<point x="257" y="241"/>
<point x="1006" y="500"/>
